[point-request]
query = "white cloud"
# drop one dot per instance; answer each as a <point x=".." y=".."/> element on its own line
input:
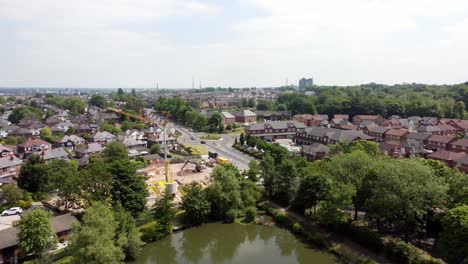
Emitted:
<point x="99" y="43"/>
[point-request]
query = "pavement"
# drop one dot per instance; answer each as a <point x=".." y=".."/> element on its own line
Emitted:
<point x="222" y="147"/>
<point x="7" y="221"/>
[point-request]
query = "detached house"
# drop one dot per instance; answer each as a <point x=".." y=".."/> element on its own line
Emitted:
<point x="377" y="132"/>
<point x="228" y="118"/>
<point x="69" y="142"/>
<point x="311" y="120"/>
<point x="315" y="151"/>
<point x="33" y="146"/>
<point x="9" y="166"/>
<point x="103" y="137"/>
<point x="246" y="117"/>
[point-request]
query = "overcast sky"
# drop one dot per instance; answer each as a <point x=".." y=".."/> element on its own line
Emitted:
<point x="237" y="43"/>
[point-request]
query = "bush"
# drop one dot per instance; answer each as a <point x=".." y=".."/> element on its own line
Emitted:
<point x="297" y="228"/>
<point x="317" y="239"/>
<point x="231" y="215"/>
<point x="362" y="235"/>
<point x="250" y="214"/>
<point x="153" y="232"/>
<point x="399" y="251"/>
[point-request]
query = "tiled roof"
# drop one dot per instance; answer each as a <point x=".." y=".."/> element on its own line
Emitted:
<point x="9" y="161"/>
<point x="461" y="142"/>
<point x="440" y="138"/>
<point x="379" y="130"/>
<point x="419" y="136"/>
<point x="446" y="155"/>
<point x="396" y="132"/>
<point x="316" y="147"/>
<point x="33" y="142"/>
<point x="54" y="154"/>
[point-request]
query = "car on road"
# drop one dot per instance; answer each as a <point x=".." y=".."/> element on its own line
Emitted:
<point x="12" y="211"/>
<point x="203" y="142"/>
<point x="192" y="138"/>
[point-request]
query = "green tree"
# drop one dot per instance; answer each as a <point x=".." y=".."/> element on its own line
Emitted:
<point x="224" y="193"/>
<point x="254" y="171"/>
<point x="12" y="194"/>
<point x="155" y="149"/>
<point x="196" y="204"/>
<point x="313" y="188"/>
<point x="128" y="189"/>
<point x="46" y="134"/>
<point x="115" y="151"/>
<point x="97" y="100"/>
<point x="97" y="182"/>
<point x="34" y="175"/>
<point x="331" y="209"/>
<point x="455" y="234"/>
<point x="164" y="213"/>
<point x="126" y="233"/>
<point x="36" y="234"/>
<point x="67" y="181"/>
<point x="403" y="192"/>
<point x="28" y="112"/>
<point x="93" y="241"/>
<point x="110" y="128"/>
<point x="242" y="139"/>
<point x="459" y="110"/>
<point x="268" y="172"/>
<point x="285" y="182"/>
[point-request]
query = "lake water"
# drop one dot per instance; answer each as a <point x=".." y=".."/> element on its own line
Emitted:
<point x="232" y="243"/>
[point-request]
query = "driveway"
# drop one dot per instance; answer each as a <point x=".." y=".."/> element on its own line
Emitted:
<point x="7" y="221"/>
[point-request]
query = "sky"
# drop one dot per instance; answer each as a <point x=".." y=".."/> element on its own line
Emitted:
<point x="231" y="43"/>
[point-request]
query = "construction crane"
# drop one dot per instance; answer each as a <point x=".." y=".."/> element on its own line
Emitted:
<point x="167" y="171"/>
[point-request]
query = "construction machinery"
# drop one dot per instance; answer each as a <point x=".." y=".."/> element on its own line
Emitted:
<point x="221" y="160"/>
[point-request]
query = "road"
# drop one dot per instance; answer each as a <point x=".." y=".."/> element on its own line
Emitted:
<point x="222" y="147"/>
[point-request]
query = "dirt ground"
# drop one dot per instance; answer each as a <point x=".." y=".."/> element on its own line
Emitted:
<point x="155" y="181"/>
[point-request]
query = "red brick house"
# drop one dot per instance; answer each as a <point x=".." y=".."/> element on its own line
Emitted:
<point x="378" y="133"/>
<point x="228" y="118"/>
<point x="358" y="119"/>
<point x="344" y="117"/>
<point x="461" y="126"/>
<point x="315" y="151"/>
<point x="392" y="149"/>
<point x="462" y="163"/>
<point x="310" y="120"/>
<point x="460" y="145"/>
<point x="447" y="130"/>
<point x="396" y="134"/>
<point x="393" y="123"/>
<point x="447" y="157"/>
<point x="32" y="146"/>
<point x="246" y="117"/>
<point x="437" y="142"/>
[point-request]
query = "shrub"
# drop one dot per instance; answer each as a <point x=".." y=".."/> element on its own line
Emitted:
<point x="250" y="214"/>
<point x="231" y="215"/>
<point x="399" y="252"/>
<point x="362" y="235"/>
<point x="153" y="231"/>
<point x="297" y="228"/>
<point x="317" y="239"/>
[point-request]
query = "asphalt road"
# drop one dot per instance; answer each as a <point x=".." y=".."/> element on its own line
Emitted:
<point x="222" y="147"/>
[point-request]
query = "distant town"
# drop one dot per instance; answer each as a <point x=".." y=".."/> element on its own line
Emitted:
<point x="142" y="152"/>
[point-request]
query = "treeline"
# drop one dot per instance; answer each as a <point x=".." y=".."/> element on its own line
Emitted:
<point x="73" y="104"/>
<point x="407" y="197"/>
<point x="230" y="197"/>
<point x="404" y="100"/>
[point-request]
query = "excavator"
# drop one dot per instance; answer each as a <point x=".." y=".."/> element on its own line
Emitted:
<point x="199" y="166"/>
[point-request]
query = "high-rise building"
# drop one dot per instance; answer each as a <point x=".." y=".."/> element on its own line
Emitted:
<point x="305" y="83"/>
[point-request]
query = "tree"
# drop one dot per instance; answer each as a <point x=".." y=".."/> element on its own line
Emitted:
<point x="313" y="188"/>
<point x="331" y="208"/>
<point x="164" y="213"/>
<point x="224" y="193"/>
<point x="97" y="182"/>
<point x="254" y="171"/>
<point x="155" y="149"/>
<point x="455" y="233"/>
<point x="126" y="233"/>
<point x="12" y="194"/>
<point x="36" y="234"/>
<point x="196" y="204"/>
<point x="67" y="181"/>
<point x="403" y="192"/>
<point x="285" y="182"/>
<point x="46" y="134"/>
<point x="115" y="151"/>
<point x="268" y="172"/>
<point x="128" y="189"/>
<point x="459" y="110"/>
<point x="92" y="241"/>
<point x="29" y="112"/>
<point x="110" y="128"/>
<point x="242" y="139"/>
<point x="134" y="92"/>
<point x="34" y="175"/>
<point x="97" y="100"/>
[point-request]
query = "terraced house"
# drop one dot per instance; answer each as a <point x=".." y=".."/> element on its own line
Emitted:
<point x="327" y="136"/>
<point x="275" y="130"/>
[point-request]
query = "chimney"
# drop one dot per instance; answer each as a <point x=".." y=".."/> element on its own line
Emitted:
<point x="11" y="157"/>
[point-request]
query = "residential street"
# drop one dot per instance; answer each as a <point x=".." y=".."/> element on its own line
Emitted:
<point x="222" y="147"/>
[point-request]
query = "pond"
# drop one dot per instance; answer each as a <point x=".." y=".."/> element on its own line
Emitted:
<point x="232" y="243"/>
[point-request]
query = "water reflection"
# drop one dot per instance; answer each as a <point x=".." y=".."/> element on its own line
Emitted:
<point x="231" y="243"/>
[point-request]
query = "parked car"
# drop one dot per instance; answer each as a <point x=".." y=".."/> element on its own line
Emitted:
<point x="203" y="142"/>
<point x="12" y="211"/>
<point x="192" y="138"/>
